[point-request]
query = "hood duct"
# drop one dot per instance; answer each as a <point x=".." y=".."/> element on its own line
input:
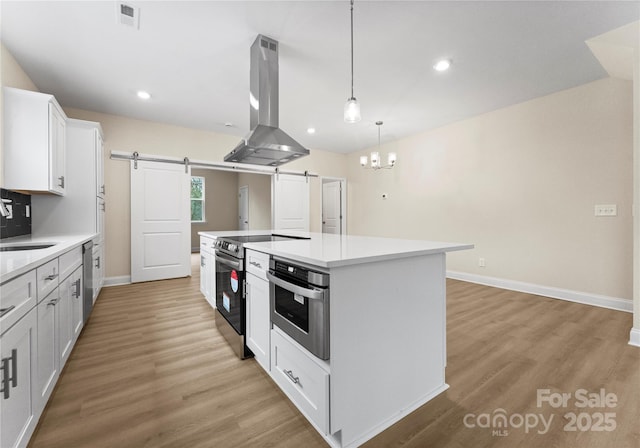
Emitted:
<point x="266" y="143"/>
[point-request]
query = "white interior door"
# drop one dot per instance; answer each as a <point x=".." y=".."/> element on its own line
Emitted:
<point x="290" y="202"/>
<point x="160" y="221"/>
<point x="243" y="208"/>
<point x="331" y="207"/>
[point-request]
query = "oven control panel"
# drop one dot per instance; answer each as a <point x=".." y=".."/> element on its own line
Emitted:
<point x="227" y="246"/>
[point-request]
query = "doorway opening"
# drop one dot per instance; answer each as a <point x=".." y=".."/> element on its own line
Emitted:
<point x="334" y="205"/>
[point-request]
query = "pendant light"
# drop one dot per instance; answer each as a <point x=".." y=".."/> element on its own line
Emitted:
<point x="352" y="107"/>
<point x="375" y="156"/>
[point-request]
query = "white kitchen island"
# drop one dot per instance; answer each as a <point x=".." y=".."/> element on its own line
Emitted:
<point x="387" y="333"/>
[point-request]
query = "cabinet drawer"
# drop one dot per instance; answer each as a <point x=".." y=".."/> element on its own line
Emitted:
<point x="18" y="297"/>
<point x="257" y="263"/>
<point x="207" y="244"/>
<point x="48" y="278"/>
<point x="69" y="262"/>
<point x="304" y="381"/>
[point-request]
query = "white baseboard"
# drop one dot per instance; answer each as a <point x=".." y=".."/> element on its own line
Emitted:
<point x="613" y="303"/>
<point x="115" y="281"/>
<point x="634" y="337"/>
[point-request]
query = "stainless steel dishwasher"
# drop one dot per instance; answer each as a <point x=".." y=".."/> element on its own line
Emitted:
<point x="87" y="274"/>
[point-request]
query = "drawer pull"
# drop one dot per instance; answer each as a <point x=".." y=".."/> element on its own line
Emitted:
<point x="256" y="264"/>
<point x="51" y="277"/>
<point x="295" y="379"/>
<point x="4" y="311"/>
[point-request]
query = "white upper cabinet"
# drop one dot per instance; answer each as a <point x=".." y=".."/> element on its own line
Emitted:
<point x="34" y="142"/>
<point x="82" y="208"/>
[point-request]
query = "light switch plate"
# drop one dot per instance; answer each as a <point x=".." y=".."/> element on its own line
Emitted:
<point x="606" y="210"/>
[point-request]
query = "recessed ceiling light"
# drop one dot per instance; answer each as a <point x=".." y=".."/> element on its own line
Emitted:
<point x="442" y="65"/>
<point x="311" y="130"/>
<point x="143" y="95"/>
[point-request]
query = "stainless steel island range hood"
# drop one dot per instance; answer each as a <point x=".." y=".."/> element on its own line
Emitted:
<point x="266" y="143"/>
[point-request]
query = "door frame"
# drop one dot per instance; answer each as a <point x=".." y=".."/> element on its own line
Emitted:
<point x="343" y="200"/>
<point x="246" y="189"/>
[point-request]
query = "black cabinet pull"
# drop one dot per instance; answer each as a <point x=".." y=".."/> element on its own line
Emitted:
<point x="4" y="385"/>
<point x="6" y="378"/>
<point x="14" y="370"/>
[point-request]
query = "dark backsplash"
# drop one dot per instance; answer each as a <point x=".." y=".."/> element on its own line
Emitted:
<point x="20" y="224"/>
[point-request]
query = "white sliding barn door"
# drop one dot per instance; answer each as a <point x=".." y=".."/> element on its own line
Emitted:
<point x="290" y="202"/>
<point x="160" y="221"/>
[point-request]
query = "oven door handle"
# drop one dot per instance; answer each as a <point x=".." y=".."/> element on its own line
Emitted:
<point x="312" y="294"/>
<point x="229" y="262"/>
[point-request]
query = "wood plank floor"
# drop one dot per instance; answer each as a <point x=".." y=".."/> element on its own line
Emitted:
<point x="151" y="370"/>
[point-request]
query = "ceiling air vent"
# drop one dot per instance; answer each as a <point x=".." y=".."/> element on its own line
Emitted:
<point x="128" y="15"/>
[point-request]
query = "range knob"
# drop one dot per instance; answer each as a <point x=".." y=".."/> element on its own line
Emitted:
<point x="233" y="247"/>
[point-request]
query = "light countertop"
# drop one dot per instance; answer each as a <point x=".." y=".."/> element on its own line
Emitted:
<point x="16" y="263"/>
<point x="329" y="251"/>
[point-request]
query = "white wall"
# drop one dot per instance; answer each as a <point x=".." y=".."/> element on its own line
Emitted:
<point x="521" y="184"/>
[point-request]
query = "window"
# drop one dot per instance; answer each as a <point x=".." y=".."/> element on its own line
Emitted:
<point x="197" y="199"/>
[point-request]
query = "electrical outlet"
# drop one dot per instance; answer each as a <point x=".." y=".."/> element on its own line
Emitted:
<point x="606" y="210"/>
<point x="481" y="262"/>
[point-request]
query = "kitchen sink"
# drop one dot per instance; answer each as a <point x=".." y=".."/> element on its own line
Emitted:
<point x="30" y="246"/>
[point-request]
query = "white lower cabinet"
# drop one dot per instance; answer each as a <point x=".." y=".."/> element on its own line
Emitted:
<point x="18" y="412"/>
<point x="258" y="326"/>
<point x="42" y="320"/>
<point x="302" y="378"/>
<point x="77" y="288"/>
<point x="98" y="269"/>
<point x="208" y="270"/>
<point x="65" y="329"/>
<point x="48" y="365"/>
<point x="205" y="279"/>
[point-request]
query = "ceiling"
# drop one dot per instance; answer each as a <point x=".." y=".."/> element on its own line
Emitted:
<point x="193" y="57"/>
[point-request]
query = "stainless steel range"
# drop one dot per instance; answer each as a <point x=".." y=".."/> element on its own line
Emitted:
<point x="230" y="287"/>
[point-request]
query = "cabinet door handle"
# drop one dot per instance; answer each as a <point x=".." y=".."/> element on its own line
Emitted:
<point x="4" y="385"/>
<point x="51" y="277"/>
<point x="14" y="367"/>
<point x="76" y="293"/>
<point x="295" y="379"/>
<point x="98" y="262"/>
<point x="6" y="377"/>
<point x="61" y="179"/>
<point x="104" y="206"/>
